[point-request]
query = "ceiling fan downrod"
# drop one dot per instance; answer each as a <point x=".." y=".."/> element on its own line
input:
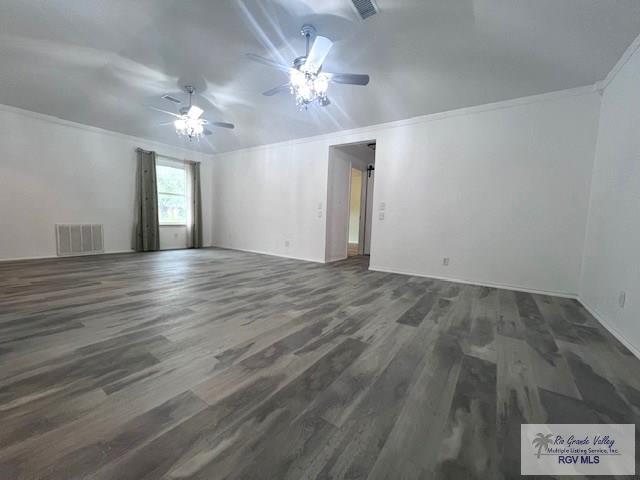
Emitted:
<point x="308" y="31"/>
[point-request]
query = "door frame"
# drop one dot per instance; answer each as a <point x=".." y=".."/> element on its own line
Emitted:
<point x="331" y="245"/>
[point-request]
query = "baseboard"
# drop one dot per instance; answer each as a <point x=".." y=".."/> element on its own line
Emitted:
<point x="111" y="252"/>
<point x="504" y="286"/>
<point x="24" y="259"/>
<point x="337" y="259"/>
<point x="609" y="326"/>
<point x="271" y="254"/>
<point x="49" y="257"/>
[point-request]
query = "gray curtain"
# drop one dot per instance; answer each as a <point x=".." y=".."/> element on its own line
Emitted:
<point x="147" y="225"/>
<point x="194" y="230"/>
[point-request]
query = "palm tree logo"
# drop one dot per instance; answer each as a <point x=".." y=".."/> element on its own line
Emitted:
<point x="542" y="441"/>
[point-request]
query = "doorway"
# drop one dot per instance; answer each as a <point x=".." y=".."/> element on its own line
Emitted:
<point x="350" y="200"/>
<point x="355" y="212"/>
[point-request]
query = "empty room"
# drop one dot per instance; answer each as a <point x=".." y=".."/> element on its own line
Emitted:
<point x="301" y="239"/>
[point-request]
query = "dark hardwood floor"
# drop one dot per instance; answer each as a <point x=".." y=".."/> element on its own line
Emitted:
<point x="215" y="364"/>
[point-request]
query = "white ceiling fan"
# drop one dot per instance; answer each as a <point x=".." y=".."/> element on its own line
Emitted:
<point x="307" y="82"/>
<point x="189" y="122"/>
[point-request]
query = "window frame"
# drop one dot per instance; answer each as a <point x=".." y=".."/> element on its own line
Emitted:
<point x="177" y="166"/>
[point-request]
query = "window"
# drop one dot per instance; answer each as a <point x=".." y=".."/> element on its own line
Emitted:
<point x="172" y="194"/>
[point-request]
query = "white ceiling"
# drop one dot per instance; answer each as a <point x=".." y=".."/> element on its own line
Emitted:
<point x="102" y="62"/>
<point x="360" y="150"/>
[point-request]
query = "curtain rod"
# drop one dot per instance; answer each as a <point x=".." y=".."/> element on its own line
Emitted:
<point x="165" y="156"/>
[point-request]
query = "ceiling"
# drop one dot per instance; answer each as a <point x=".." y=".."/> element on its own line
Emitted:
<point x="104" y="62"/>
<point x="359" y="150"/>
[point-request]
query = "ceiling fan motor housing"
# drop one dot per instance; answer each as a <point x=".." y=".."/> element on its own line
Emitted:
<point x="299" y="62"/>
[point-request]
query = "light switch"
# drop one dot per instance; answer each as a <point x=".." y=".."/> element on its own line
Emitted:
<point x="381" y="216"/>
<point x="382" y="206"/>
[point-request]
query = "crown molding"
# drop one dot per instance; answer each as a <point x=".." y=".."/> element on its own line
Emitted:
<point x="368" y="133"/>
<point x="336" y="137"/>
<point x="626" y="56"/>
<point x="101" y="131"/>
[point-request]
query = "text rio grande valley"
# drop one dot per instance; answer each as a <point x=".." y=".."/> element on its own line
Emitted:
<point x="585" y="450"/>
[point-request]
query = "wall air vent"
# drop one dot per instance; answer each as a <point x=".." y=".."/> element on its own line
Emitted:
<point x="79" y="240"/>
<point x="365" y="8"/>
<point x="171" y="99"/>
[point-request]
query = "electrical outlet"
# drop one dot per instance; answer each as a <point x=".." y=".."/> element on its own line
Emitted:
<point x="622" y="298"/>
<point x="445" y="261"/>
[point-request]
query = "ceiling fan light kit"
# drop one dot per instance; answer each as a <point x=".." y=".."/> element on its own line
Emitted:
<point x="307" y="83"/>
<point x="189" y="123"/>
<point x="308" y="87"/>
<point x="190" y="128"/>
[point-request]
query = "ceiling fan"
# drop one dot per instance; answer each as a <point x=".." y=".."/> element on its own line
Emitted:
<point x="189" y="123"/>
<point x="307" y="82"/>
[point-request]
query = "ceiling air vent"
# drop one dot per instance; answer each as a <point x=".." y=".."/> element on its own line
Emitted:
<point x="171" y="99"/>
<point x="365" y="8"/>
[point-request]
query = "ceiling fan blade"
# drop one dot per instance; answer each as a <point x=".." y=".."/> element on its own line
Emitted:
<point x="349" y="78"/>
<point x="279" y="89"/>
<point x="194" y="112"/>
<point x="164" y="111"/>
<point x="267" y="62"/>
<point x="317" y="54"/>
<point x="223" y="125"/>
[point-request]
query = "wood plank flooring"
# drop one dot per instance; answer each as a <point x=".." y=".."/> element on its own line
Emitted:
<point x="215" y="364"/>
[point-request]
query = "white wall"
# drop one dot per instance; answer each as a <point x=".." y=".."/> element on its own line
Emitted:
<point x="612" y="247"/>
<point x="173" y="237"/>
<point x="272" y="200"/>
<point x="501" y="189"/>
<point x="52" y="171"/>
<point x="503" y="193"/>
